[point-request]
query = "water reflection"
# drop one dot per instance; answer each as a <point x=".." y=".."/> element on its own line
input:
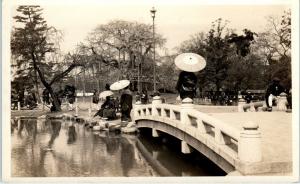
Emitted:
<point x="71" y="134"/>
<point x="111" y="141"/>
<point x="55" y="129"/>
<point x="63" y="148"/>
<point x="57" y="148"/>
<point x="127" y="156"/>
<point x="165" y="151"/>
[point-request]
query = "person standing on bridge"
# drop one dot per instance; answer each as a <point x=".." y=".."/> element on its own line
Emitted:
<point x="248" y="97"/>
<point x="186" y="85"/>
<point x="272" y="93"/>
<point x="187" y="81"/>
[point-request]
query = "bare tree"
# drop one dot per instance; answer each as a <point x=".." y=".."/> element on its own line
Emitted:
<point x="126" y="44"/>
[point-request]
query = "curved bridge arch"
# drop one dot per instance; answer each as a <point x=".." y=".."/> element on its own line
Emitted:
<point x="221" y="144"/>
<point x="190" y="140"/>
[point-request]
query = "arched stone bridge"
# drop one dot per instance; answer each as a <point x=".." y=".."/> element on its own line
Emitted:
<point x="230" y="148"/>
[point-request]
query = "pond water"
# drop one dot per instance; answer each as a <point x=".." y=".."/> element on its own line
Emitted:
<point x="61" y="148"/>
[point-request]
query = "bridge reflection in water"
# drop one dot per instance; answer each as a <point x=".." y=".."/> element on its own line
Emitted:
<point x="164" y="155"/>
<point x="42" y="148"/>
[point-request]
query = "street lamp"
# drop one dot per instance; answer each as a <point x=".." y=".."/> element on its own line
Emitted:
<point x="153" y="11"/>
<point x="120" y="32"/>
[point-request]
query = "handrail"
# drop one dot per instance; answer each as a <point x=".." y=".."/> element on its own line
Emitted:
<point x="194" y="122"/>
<point x="229" y="131"/>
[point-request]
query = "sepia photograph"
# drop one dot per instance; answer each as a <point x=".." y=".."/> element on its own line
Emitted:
<point x="149" y="91"/>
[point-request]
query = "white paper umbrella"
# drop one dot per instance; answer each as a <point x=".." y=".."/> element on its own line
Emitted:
<point x="104" y="94"/>
<point x="119" y="85"/>
<point x="190" y="62"/>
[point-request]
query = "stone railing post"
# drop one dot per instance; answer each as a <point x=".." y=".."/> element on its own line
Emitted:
<point x="185" y="107"/>
<point x="249" y="144"/>
<point x="136" y="108"/>
<point x="241" y="104"/>
<point x="282" y="102"/>
<point x="156" y="100"/>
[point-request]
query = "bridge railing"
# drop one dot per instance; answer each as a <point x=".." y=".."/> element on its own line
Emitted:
<point x="238" y="144"/>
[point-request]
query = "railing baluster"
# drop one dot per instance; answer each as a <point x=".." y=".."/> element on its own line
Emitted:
<point x="137" y="109"/>
<point x="163" y="112"/>
<point x="172" y="114"/>
<point x="201" y="126"/>
<point x="147" y="112"/>
<point x="219" y="138"/>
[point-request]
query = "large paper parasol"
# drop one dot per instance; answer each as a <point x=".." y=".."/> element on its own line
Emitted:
<point x="190" y="62"/>
<point x="104" y="94"/>
<point x="119" y="85"/>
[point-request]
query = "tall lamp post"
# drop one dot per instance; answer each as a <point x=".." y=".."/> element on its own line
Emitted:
<point x="153" y="11"/>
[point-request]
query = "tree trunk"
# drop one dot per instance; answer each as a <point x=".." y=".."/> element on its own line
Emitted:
<point x="45" y="83"/>
<point x="56" y="104"/>
<point x="36" y="86"/>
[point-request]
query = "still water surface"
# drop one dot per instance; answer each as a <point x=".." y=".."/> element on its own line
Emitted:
<point x="61" y="148"/>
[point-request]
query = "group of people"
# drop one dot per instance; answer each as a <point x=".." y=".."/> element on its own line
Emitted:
<point x="142" y="97"/>
<point x="111" y="105"/>
<point x="68" y="93"/>
<point x="186" y="87"/>
<point x="274" y="90"/>
<point x="27" y="98"/>
<point x="187" y="82"/>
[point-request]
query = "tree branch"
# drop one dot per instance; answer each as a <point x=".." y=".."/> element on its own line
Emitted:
<point x="64" y="73"/>
<point x="101" y="59"/>
<point x="42" y="77"/>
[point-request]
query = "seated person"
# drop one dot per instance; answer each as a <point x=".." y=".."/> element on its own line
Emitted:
<point x="107" y="109"/>
<point x="116" y="104"/>
<point x="272" y="93"/>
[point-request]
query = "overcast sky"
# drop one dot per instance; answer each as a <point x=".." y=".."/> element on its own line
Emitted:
<point x="175" y="22"/>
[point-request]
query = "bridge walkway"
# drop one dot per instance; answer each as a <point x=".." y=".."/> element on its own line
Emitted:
<point x="276" y="131"/>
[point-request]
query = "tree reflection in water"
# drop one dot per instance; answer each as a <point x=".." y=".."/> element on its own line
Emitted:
<point x="71" y="134"/>
<point x="112" y="142"/>
<point x="55" y="129"/>
<point x="20" y="128"/>
<point x="127" y="156"/>
<point x="31" y="128"/>
<point x="13" y="124"/>
<point x="64" y="148"/>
